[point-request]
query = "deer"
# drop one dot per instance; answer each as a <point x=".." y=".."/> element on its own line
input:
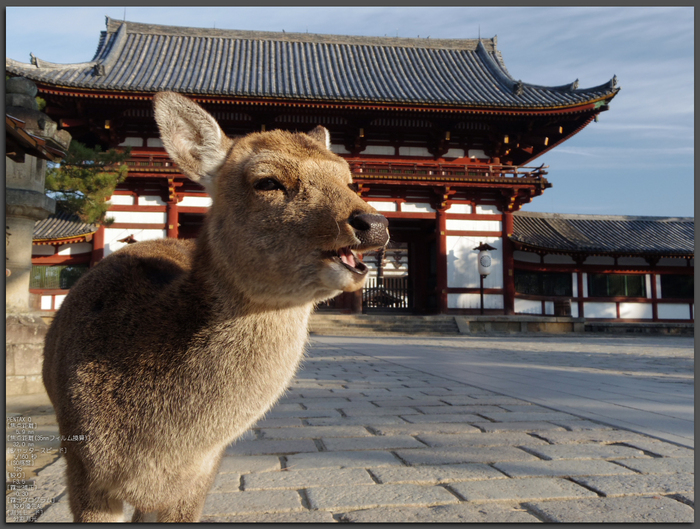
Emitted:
<point x="167" y="351"/>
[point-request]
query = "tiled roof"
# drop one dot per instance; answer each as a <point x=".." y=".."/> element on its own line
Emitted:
<point x="61" y="226"/>
<point x="137" y="57"/>
<point x="605" y="234"/>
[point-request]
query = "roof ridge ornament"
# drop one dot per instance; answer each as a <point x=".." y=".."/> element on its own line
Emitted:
<point x="574" y="85"/>
<point x="518" y="88"/>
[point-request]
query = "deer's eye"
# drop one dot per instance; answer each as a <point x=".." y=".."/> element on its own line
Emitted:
<point x="268" y="184"/>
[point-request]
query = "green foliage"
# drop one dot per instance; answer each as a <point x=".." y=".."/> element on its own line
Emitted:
<point x="85" y="179"/>
<point x="41" y="103"/>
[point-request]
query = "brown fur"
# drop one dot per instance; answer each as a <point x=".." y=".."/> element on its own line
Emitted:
<point x="168" y="350"/>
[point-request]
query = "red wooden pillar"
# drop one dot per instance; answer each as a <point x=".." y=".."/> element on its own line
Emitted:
<point x="171" y="222"/>
<point x="508" y="265"/>
<point x="441" y="247"/>
<point x="98" y="246"/>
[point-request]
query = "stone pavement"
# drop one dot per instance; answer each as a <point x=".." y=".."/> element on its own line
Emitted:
<point x="359" y="438"/>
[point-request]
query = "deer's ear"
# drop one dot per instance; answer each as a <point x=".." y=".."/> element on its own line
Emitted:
<point x="191" y="136"/>
<point x="322" y="135"/>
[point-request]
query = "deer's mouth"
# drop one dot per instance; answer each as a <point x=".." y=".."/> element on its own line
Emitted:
<point x="348" y="258"/>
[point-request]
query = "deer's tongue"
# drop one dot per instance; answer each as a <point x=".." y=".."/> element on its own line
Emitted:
<point x="347" y="257"/>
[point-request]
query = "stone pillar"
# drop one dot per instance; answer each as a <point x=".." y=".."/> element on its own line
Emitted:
<point x="26" y="203"/>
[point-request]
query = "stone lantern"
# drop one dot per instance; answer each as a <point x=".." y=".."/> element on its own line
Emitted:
<point x="484" y="264"/>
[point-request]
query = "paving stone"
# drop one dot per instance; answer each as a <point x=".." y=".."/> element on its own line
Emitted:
<point x="271" y="446"/>
<point x="287" y="406"/>
<point x="375" y="410"/>
<point x="302" y="414"/>
<point x="368" y="420"/>
<point x="585" y="451"/>
<point x="367" y="496"/>
<point x="325" y="403"/>
<point x="408" y="401"/>
<point x="442" y="417"/>
<point x="639" y="484"/>
<point x="514" y="416"/>
<point x="278" y="423"/>
<point x="660" y="465"/>
<point x="524" y="407"/>
<point x="359" y="459"/>
<point x="481" y="400"/>
<point x="686" y="497"/>
<point x="286" y="517"/>
<point x="416" y="429"/>
<point x="436" y="474"/>
<point x="456" y="390"/>
<point x="577" y="424"/>
<point x="521" y="490"/>
<point x="244" y="502"/>
<point x="561" y="468"/>
<point x="480" y="439"/>
<point x="460" y="513"/>
<point x="314" y="432"/>
<point x="298" y="479"/>
<point x="591" y="436"/>
<point x="56" y="513"/>
<point x="661" y="448"/>
<point x="614" y="510"/>
<point x="458" y="409"/>
<point x="247" y="464"/>
<point x="227" y="483"/>
<point x="528" y="426"/>
<point x="450" y="455"/>
<point x="383" y="442"/>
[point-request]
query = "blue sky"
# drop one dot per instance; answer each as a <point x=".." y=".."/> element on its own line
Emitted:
<point x="637" y="160"/>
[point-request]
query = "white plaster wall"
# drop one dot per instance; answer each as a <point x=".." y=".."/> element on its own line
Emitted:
<point x="139" y="217"/>
<point x="648" y="285"/>
<point x="527" y="306"/>
<point x="154" y="142"/>
<point x="59" y="300"/>
<point x="44" y="249"/>
<point x="151" y="200"/>
<point x="673" y="311"/>
<point x="132" y="141"/>
<point x="122" y="200"/>
<point x="632" y="261"/>
<point x="339" y="149"/>
<point x="599" y="310"/>
<point x="476" y="153"/>
<point x="574" y="286"/>
<point x="462" y="270"/>
<point x="196" y="202"/>
<point x="473" y="225"/>
<point x="416" y="207"/>
<point x="527" y="257"/>
<point x="460" y="208"/>
<point x="641" y="311"/>
<point x="473" y="301"/>
<point x="549" y="308"/>
<point x="454" y="153"/>
<point x="112" y="235"/>
<point x="383" y="206"/>
<point x="558" y="259"/>
<point x="599" y="260"/>
<point x="487" y="210"/>
<point x="379" y="149"/>
<point x="585" y="286"/>
<point x="411" y="151"/>
<point x="658" y="287"/>
<point x="75" y="249"/>
<point x="46" y="302"/>
<point x="574" y="310"/>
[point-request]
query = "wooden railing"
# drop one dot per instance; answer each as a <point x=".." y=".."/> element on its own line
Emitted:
<point x="389" y="293"/>
<point x="159" y="162"/>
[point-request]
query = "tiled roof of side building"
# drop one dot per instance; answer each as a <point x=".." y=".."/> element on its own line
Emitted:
<point x="61" y="226"/>
<point x="605" y="234"/>
<point x="137" y="57"/>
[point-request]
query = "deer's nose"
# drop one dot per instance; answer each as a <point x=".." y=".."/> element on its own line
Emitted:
<point x="370" y="228"/>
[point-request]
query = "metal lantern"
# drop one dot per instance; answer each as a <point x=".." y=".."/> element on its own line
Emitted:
<point x="484" y="264"/>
